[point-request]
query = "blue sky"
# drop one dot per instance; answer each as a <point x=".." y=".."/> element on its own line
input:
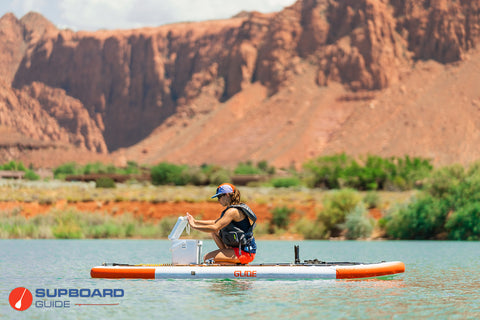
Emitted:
<point x="128" y="14"/>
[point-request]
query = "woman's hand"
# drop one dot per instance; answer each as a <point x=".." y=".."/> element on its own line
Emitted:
<point x="191" y="220"/>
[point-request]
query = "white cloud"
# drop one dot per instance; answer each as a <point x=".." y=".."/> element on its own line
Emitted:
<point x="126" y="14"/>
<point x="27" y="5"/>
<point x="95" y="14"/>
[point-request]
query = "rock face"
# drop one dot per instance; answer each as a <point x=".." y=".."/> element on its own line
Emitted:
<point x="108" y="90"/>
<point x="18" y="37"/>
<point x="70" y="114"/>
<point x="48" y="114"/>
<point x="11" y="46"/>
<point x="441" y="30"/>
<point x="36" y="110"/>
<point x="20" y="111"/>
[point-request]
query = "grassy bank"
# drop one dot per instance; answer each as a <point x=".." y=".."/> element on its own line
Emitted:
<point x="284" y="208"/>
<point x="73" y="224"/>
<point x="53" y="191"/>
<point x="445" y="207"/>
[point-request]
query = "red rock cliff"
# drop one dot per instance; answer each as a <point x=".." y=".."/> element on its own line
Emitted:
<point x="130" y="82"/>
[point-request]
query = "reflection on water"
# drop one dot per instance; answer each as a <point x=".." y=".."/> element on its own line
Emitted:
<point x="392" y="283"/>
<point x="231" y="287"/>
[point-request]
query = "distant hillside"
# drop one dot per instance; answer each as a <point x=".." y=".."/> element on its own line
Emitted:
<point x="319" y="77"/>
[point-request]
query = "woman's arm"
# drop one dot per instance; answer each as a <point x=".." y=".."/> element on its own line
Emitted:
<point x="200" y="222"/>
<point x="204" y="222"/>
<point x="212" y="226"/>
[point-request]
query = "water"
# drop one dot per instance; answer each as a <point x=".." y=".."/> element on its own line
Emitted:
<point x="442" y="281"/>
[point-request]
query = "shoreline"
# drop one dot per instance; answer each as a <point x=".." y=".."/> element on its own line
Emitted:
<point x="155" y="212"/>
<point x="79" y="210"/>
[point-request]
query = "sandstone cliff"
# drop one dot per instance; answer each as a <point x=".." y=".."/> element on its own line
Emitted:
<point x="280" y="86"/>
<point x="36" y="110"/>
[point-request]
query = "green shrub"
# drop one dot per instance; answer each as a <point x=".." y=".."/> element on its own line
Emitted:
<point x="336" y="206"/>
<point x="66" y="169"/>
<point x="262" y="229"/>
<point x="166" y="225"/>
<point x="218" y="176"/>
<point x="99" y="167"/>
<point x="247" y="168"/>
<point x="96" y="167"/>
<point x="412" y="170"/>
<point x="18" y="166"/>
<point x="195" y="176"/>
<point x="149" y="231"/>
<point x="441" y="181"/>
<point x="286" y="182"/>
<point x="449" y="189"/>
<point x="313" y="230"/>
<point x="42" y="225"/>
<point x="168" y="173"/>
<point x="372" y="173"/>
<point x="105" y="182"/>
<point x="31" y="175"/>
<point x="281" y="216"/>
<point x="326" y="171"/>
<point x="265" y="168"/>
<point x="105" y="230"/>
<point x="423" y="218"/>
<point x="464" y="224"/>
<point x="132" y="168"/>
<point x="464" y="192"/>
<point x="382" y="223"/>
<point x="372" y="199"/>
<point x="371" y="176"/>
<point x="397" y="183"/>
<point x="67" y="225"/>
<point x="358" y="223"/>
<point x="13" y="166"/>
<point x="12" y="224"/>
<point x="72" y="168"/>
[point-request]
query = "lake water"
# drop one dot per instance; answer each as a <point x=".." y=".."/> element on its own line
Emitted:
<point x="442" y="281"/>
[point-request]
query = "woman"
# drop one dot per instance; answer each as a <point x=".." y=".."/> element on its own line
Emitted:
<point x="232" y="232"/>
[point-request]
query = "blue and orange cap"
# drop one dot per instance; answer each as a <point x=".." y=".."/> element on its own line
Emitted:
<point x="224" y="188"/>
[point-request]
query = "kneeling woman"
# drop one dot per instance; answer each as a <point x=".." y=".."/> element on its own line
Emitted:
<point x="233" y="231"/>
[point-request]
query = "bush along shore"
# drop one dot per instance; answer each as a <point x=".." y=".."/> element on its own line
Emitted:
<point x="355" y="199"/>
<point x="70" y="223"/>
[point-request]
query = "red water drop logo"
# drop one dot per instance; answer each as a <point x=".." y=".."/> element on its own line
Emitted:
<point x="20" y="298"/>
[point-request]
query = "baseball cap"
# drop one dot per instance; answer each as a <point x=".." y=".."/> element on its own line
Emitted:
<point x="224" y="188"/>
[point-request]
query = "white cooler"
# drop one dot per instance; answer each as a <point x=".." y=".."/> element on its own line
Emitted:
<point x="185" y="251"/>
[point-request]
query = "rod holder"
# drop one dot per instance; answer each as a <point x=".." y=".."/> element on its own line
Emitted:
<point x="297" y="254"/>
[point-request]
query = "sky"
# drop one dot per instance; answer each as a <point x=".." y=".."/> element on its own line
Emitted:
<point x="93" y="15"/>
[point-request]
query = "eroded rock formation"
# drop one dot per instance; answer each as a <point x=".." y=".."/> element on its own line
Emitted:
<point x="107" y="90"/>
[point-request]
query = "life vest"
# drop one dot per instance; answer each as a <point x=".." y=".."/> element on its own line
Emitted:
<point x="239" y="234"/>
